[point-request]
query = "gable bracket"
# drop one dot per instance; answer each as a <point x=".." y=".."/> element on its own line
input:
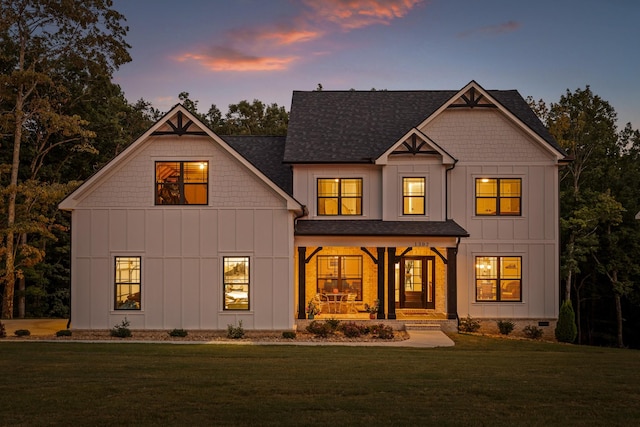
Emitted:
<point x="307" y="259"/>
<point x="366" y="251"/>
<point x="180" y="128"/>
<point x="439" y="254"/>
<point x="472" y="101"/>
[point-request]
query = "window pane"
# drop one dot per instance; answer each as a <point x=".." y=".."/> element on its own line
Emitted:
<point x="486" y="267"/>
<point x="510" y="188"/>
<point x="182" y="183"/>
<point x="486" y="290"/>
<point x="510" y="290"/>
<point x="127" y="283"/>
<point x="195" y="194"/>
<point x="485" y="206"/>
<point x="327" y="206"/>
<point x="511" y="268"/>
<point x="351" y="206"/>
<point x="236" y="283"/>
<point x="510" y="206"/>
<point x="486" y="187"/>
<point x="328" y="187"/>
<point x="413" y="193"/>
<point x="351" y="188"/>
<point x="195" y="171"/>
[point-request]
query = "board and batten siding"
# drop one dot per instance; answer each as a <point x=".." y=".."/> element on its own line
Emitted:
<point x="182" y="246"/>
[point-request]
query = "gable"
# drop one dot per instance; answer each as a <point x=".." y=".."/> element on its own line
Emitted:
<point x="129" y="178"/>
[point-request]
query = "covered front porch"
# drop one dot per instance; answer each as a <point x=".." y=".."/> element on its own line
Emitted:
<point x="373" y="277"/>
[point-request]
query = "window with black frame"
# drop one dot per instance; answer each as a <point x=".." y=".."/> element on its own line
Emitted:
<point x="236" y="282"/>
<point x="413" y="196"/>
<point x="128" y="283"/>
<point x="498" y="278"/>
<point x="498" y="196"/>
<point x="340" y="274"/>
<point x="182" y="183"/>
<point x="339" y="196"/>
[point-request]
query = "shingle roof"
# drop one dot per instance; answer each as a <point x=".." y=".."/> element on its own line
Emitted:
<point x="356" y="227"/>
<point x="265" y="153"/>
<point x="359" y="126"/>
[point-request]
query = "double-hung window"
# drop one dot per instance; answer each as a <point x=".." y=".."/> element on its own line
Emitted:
<point x="128" y="282"/>
<point x="236" y="282"/>
<point x="413" y="196"/>
<point x="340" y="196"/>
<point x="498" y="278"/>
<point x="182" y="183"/>
<point x="498" y="196"/>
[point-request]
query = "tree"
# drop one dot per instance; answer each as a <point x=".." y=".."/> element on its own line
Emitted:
<point x="43" y="44"/>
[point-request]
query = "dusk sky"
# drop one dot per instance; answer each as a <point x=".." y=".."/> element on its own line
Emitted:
<point x="224" y="51"/>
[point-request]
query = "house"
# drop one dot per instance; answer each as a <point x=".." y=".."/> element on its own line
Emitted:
<point x="434" y="204"/>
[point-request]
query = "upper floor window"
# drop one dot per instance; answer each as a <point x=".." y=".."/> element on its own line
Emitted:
<point x="236" y="283"/>
<point x="127" y="282"/>
<point x="413" y="196"/>
<point x="498" y="196"/>
<point x="498" y="278"/>
<point x="182" y="183"/>
<point x="340" y="196"/>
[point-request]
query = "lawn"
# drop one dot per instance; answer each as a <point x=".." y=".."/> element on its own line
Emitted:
<point x="480" y="381"/>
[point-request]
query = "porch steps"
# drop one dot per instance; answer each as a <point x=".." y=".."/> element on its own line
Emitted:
<point x="422" y="326"/>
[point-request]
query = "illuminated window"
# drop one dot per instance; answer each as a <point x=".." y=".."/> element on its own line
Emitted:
<point x="340" y="196"/>
<point x="498" y="278"/>
<point x="498" y="196"/>
<point x="340" y="273"/>
<point x="236" y="283"/>
<point x="182" y="183"/>
<point x="127" y="283"/>
<point x="413" y="196"/>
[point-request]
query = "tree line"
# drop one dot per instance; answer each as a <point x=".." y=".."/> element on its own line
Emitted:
<point x="62" y="118"/>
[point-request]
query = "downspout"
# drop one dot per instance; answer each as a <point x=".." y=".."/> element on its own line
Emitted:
<point x="446" y="189"/>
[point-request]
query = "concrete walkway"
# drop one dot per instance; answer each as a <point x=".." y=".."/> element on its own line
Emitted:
<point x="44" y="327"/>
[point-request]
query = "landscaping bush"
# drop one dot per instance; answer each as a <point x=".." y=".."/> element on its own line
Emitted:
<point x="468" y="325"/>
<point x="381" y="331"/>
<point x="334" y="324"/>
<point x="566" y="329"/>
<point x="122" y="330"/>
<point x="320" y="329"/>
<point x="63" y="333"/>
<point x="505" y="326"/>
<point x="178" y="333"/>
<point x="352" y="330"/>
<point x="22" y="333"/>
<point x="290" y="335"/>
<point x="235" y="332"/>
<point x="532" y="332"/>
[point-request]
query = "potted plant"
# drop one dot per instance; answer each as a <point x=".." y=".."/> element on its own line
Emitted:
<point x="372" y="309"/>
<point x="312" y="309"/>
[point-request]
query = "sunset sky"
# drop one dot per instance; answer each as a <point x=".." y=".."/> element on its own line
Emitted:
<point x="225" y="51"/>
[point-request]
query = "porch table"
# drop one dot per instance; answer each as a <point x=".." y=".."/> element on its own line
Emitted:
<point x="335" y="299"/>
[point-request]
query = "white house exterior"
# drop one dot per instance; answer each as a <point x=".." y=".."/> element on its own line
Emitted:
<point x="437" y="204"/>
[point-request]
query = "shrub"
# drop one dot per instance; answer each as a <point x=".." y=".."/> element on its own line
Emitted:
<point x="566" y="329"/>
<point x="505" y="326"/>
<point x="22" y="333"/>
<point x="3" y="331"/>
<point x="320" y="329"/>
<point x="334" y="324"/>
<point x="381" y="331"/>
<point x="468" y="325"/>
<point x="122" y="330"/>
<point x="178" y="333"/>
<point x="235" y="332"/>
<point x="352" y="330"/>
<point x="63" y="333"/>
<point x="532" y="332"/>
<point x="290" y="335"/>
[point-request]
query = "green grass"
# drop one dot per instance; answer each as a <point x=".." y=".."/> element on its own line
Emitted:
<point x="480" y="381"/>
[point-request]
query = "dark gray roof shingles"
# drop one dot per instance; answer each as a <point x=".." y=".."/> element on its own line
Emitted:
<point x="357" y="227"/>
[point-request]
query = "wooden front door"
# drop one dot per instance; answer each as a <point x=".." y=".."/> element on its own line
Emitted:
<point x="417" y="282"/>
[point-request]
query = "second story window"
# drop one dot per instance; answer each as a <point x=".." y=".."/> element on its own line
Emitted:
<point x="498" y="196"/>
<point x="182" y="183"/>
<point x="340" y="196"/>
<point x="413" y="196"/>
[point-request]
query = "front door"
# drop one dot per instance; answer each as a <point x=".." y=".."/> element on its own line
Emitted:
<point x="416" y="282"/>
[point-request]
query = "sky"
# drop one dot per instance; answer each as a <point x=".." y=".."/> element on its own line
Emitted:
<point x="224" y="51"/>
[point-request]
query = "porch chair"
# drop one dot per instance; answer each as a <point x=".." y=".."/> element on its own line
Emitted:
<point x="322" y="303"/>
<point x="348" y="304"/>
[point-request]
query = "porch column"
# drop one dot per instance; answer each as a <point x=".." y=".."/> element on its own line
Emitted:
<point x="302" y="274"/>
<point x="381" y="282"/>
<point x="391" y="283"/>
<point x="452" y="283"/>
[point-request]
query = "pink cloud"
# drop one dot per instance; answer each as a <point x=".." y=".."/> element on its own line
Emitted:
<point x="228" y="59"/>
<point x="505" y="27"/>
<point x="353" y="14"/>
